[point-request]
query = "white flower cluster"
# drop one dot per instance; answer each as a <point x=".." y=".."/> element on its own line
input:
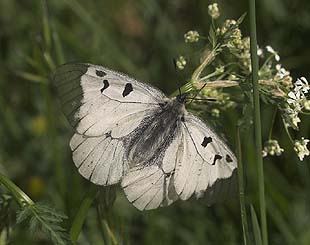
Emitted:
<point x="281" y="72"/>
<point x="297" y="101"/>
<point x="180" y="63"/>
<point x="213" y="10"/>
<point x="272" y="147"/>
<point x="300" y="147"/>
<point x="191" y="36"/>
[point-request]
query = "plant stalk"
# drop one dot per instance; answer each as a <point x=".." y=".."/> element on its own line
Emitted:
<point x="20" y="196"/>
<point x="257" y="120"/>
<point x="79" y="218"/>
<point x="245" y="227"/>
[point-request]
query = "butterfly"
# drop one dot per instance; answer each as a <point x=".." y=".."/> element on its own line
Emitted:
<point x="129" y="132"/>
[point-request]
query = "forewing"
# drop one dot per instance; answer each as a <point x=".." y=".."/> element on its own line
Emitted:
<point x="204" y="162"/>
<point x="96" y="100"/>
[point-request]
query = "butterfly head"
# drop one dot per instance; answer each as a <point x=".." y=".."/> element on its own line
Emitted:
<point x="181" y="98"/>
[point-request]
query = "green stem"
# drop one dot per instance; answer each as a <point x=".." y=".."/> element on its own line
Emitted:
<point x="49" y="106"/>
<point x="274" y="113"/>
<point x="203" y="65"/>
<point x="82" y="212"/>
<point x="102" y="229"/>
<point x="199" y="84"/>
<point x="20" y="196"/>
<point x="257" y="120"/>
<point x="109" y="231"/>
<point x="288" y="133"/>
<point x="56" y="161"/>
<point x="245" y="227"/>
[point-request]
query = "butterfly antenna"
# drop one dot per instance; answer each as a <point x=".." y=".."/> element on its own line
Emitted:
<point x="192" y="99"/>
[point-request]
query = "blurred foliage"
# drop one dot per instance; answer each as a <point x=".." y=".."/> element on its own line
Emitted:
<point x="140" y="38"/>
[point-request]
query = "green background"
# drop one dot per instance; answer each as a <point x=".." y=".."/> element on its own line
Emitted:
<point x="139" y="38"/>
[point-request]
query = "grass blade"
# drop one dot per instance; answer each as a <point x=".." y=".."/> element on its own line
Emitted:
<point x="245" y="227"/>
<point x="257" y="121"/>
<point x="256" y="229"/>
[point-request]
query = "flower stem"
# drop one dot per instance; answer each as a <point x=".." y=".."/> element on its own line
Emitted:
<point x="82" y="212"/>
<point x="274" y="113"/>
<point x="20" y="196"/>
<point x="196" y="74"/>
<point x="288" y="133"/>
<point x="245" y="227"/>
<point x="257" y="120"/>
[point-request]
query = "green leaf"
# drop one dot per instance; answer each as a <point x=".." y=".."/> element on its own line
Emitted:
<point x="22" y="215"/>
<point x="241" y="18"/>
<point x="34" y="225"/>
<point x="42" y="217"/>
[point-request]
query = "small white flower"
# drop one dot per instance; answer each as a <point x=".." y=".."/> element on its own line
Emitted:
<point x="220" y="69"/>
<point x="272" y="147"/>
<point x="302" y="85"/>
<point x="215" y="112"/>
<point x="306" y="104"/>
<point x="291" y="119"/>
<point x="272" y="51"/>
<point x="281" y="72"/>
<point x="233" y="77"/>
<point x="295" y="100"/>
<point x="180" y="63"/>
<point x="293" y="97"/>
<point x="260" y="52"/>
<point x="213" y="10"/>
<point x="191" y="36"/>
<point x="300" y="147"/>
<point x="264" y="153"/>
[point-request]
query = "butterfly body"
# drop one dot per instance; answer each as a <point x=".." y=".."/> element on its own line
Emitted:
<point x="155" y="133"/>
<point x="130" y="133"/>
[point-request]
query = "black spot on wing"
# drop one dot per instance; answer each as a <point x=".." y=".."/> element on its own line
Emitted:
<point x="206" y="141"/>
<point x="216" y="157"/>
<point x="128" y="89"/>
<point x="100" y="73"/>
<point x="228" y="158"/>
<point x="105" y="85"/>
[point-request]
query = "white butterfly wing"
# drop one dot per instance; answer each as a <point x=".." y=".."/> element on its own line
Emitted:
<point x="97" y="100"/>
<point x="197" y="161"/>
<point x="99" y="159"/>
<point x="103" y="106"/>
<point x="204" y="161"/>
<point x="148" y="187"/>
